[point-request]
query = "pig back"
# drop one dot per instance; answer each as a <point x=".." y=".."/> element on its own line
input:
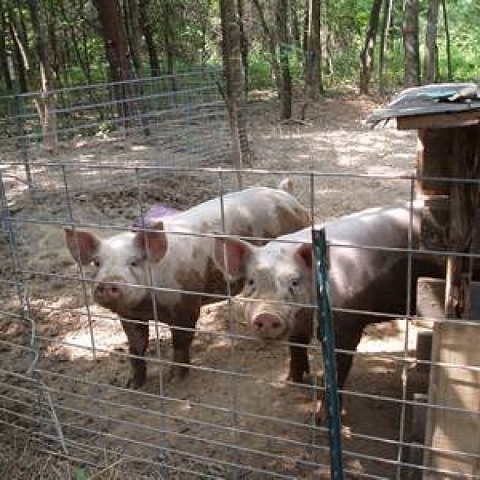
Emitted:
<point x="253" y="212"/>
<point x="364" y="249"/>
<point x="370" y="259"/>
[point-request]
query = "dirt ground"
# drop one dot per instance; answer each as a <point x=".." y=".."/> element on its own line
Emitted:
<point x="235" y="416"/>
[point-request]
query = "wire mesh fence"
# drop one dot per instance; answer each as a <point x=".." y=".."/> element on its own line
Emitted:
<point x="65" y="359"/>
<point x="181" y="117"/>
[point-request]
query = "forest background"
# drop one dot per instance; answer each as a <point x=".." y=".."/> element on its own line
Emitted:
<point x="286" y="46"/>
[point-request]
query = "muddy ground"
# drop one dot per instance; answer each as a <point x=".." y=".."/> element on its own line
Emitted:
<point x="235" y="416"/>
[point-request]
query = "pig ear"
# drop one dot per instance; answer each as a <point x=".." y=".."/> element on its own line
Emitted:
<point x="231" y="256"/>
<point x="153" y="243"/>
<point x="83" y="246"/>
<point x="304" y="253"/>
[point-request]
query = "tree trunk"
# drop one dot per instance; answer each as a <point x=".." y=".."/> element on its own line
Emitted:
<point x="367" y="54"/>
<point x="146" y="27"/>
<point x="243" y="43"/>
<point x="46" y="103"/>
<point x="430" y="61"/>
<point x="135" y="41"/>
<point x="232" y="63"/>
<point x="204" y="29"/>
<point x="386" y="22"/>
<point x="281" y="12"/>
<point x="411" y="43"/>
<point x="295" y="21"/>
<point x="3" y="50"/>
<point x="134" y="35"/>
<point x="305" y="24"/>
<point x="19" y="49"/>
<point x="297" y="33"/>
<point x="313" y="57"/>
<point x="117" y="53"/>
<point x="328" y="43"/>
<point x="58" y="55"/>
<point x="447" y="41"/>
<point x="168" y="37"/>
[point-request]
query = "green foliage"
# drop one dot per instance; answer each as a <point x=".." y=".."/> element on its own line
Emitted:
<point x="260" y="72"/>
<point x="465" y="35"/>
<point x="188" y="32"/>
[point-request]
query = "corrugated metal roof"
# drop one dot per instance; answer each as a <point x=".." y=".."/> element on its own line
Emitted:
<point x="430" y="99"/>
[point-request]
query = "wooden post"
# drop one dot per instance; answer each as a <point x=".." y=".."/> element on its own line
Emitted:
<point x="449" y="150"/>
<point x="453" y="431"/>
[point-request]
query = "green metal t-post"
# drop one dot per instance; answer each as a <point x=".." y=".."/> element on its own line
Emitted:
<point x="326" y="335"/>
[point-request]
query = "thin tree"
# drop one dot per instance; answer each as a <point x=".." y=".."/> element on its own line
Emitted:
<point x="295" y="26"/>
<point x="411" y="43"/>
<point x="328" y="39"/>
<point x="147" y="31"/>
<point x="233" y="71"/>
<point x="386" y="22"/>
<point x="117" y="53"/>
<point x="281" y="13"/>
<point x="168" y="29"/>
<point x="368" y="50"/>
<point x="20" y="46"/>
<point x="430" y="60"/>
<point x="243" y="42"/>
<point x="46" y="103"/>
<point x="313" y="52"/>
<point x="3" y="50"/>
<point x="132" y="27"/>
<point x="447" y="41"/>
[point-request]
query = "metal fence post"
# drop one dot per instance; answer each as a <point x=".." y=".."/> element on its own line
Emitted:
<point x="326" y="335"/>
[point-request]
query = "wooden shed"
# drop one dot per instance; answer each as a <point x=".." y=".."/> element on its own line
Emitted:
<point x="447" y="119"/>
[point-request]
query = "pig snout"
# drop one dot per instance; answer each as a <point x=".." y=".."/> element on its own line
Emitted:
<point x="108" y="292"/>
<point x="269" y="325"/>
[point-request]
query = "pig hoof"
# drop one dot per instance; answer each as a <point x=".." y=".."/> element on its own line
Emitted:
<point x="321" y="415"/>
<point x="296" y="379"/>
<point x="135" y="383"/>
<point x="177" y="373"/>
<point x="309" y="379"/>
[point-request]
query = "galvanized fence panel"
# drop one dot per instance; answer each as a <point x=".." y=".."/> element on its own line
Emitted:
<point x="65" y="360"/>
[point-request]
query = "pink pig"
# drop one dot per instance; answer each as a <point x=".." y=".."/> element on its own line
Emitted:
<point x="369" y="279"/>
<point x="161" y="273"/>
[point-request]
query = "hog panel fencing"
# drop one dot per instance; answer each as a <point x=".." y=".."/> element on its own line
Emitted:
<point x="65" y="361"/>
<point x="176" y="119"/>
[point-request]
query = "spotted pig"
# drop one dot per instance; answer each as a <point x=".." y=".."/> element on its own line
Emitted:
<point x="164" y="272"/>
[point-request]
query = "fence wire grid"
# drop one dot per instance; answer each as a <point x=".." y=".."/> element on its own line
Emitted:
<point x="64" y="407"/>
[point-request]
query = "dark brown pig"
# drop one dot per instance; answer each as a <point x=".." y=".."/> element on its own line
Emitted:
<point x="161" y="273"/>
<point x="362" y="280"/>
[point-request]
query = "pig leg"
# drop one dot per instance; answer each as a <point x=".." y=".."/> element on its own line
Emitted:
<point x="300" y="335"/>
<point x="299" y="365"/>
<point x="346" y="340"/>
<point x="347" y="337"/>
<point x="181" y="340"/>
<point x="137" y="335"/>
<point x="183" y="331"/>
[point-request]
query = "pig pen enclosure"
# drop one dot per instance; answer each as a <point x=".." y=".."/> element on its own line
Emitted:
<point x="64" y="409"/>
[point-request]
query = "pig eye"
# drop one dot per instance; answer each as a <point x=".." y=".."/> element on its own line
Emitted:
<point x="250" y="282"/>
<point x="96" y="262"/>
<point x="134" y="262"/>
<point x="295" y="283"/>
